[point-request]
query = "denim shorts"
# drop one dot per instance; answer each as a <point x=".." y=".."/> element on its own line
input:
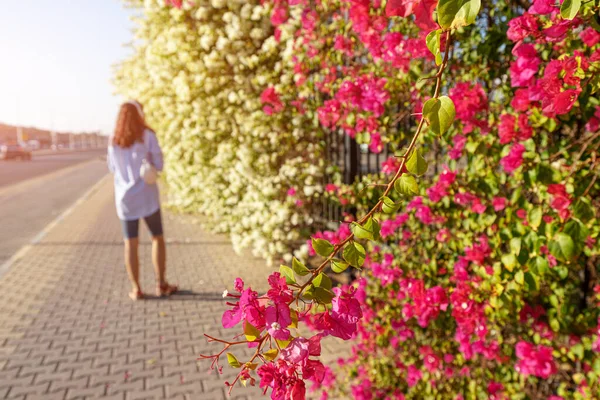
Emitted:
<point x="153" y="222"/>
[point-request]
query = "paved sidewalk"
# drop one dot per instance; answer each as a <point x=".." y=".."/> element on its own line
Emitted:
<point x="68" y="329"/>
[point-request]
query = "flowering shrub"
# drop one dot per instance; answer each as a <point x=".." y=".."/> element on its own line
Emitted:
<point x="479" y="274"/>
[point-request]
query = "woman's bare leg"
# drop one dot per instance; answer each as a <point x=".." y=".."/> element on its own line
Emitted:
<point x="159" y="258"/>
<point x="132" y="263"/>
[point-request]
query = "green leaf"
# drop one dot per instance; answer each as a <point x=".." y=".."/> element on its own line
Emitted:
<point x="578" y="351"/>
<point x="354" y="254"/>
<point x="578" y="232"/>
<point x="520" y="277"/>
<point x="309" y="292"/>
<point x="323" y="296"/>
<point x="416" y="164"/>
<point x="388" y="206"/>
<point x="271" y="354"/>
<point x="360" y="232"/>
<point x="299" y="268"/>
<point x="531" y="282"/>
<point x="562" y="272"/>
<point x="538" y="265"/>
<point x="509" y="261"/>
<point x="233" y="361"/>
<point x="288" y="274"/>
<point x="339" y="266"/>
<point x="322" y="281"/>
<point x="439" y="114"/>
<point x="453" y="14"/>
<point x="407" y="185"/>
<point x="583" y="210"/>
<point x="535" y="217"/>
<point x="369" y="230"/>
<point x="251" y="332"/>
<point x="562" y="247"/>
<point x="570" y="8"/>
<point x="433" y="44"/>
<point x="515" y="246"/>
<point x="322" y="247"/>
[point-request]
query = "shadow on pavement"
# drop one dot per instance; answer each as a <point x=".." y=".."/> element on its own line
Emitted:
<point x="188" y="295"/>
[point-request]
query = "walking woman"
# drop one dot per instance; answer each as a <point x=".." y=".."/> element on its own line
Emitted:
<point x="133" y="155"/>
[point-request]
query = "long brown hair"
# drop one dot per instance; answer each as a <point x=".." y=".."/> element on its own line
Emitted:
<point x="130" y="126"/>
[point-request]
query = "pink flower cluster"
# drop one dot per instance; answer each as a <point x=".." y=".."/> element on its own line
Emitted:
<point x="440" y="190"/>
<point x="560" y="200"/>
<point x="426" y="303"/>
<point x="341" y="321"/>
<point x="271" y="100"/>
<point x="513" y="159"/>
<point x="535" y="360"/>
<point x="471" y="103"/>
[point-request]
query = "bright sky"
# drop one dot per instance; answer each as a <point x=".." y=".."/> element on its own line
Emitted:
<point x="55" y="62"/>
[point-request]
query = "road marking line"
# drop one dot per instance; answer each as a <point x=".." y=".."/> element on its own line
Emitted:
<point x="5" y="267"/>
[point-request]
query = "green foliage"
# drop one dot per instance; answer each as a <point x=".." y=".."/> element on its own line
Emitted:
<point x="433" y="44"/>
<point x="354" y="253"/>
<point x="416" y="164"/>
<point x="454" y="14"/>
<point x="570" y="8"/>
<point x="407" y="185"/>
<point x="322" y="247"/>
<point x="439" y="114"/>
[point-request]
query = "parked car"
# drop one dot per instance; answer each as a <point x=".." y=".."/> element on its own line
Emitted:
<point x="14" y="152"/>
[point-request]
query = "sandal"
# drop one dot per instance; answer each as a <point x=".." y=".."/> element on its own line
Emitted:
<point x="164" y="289"/>
<point x="136" y="295"/>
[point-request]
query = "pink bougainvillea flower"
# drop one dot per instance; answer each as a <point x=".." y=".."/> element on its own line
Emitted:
<point x="345" y="307"/>
<point x="590" y="37"/>
<point x="390" y="166"/>
<point x="459" y="145"/>
<point x="521" y="101"/>
<point x="291" y="192"/>
<point x="279" y="15"/>
<point x="543" y="7"/>
<point x="238" y="285"/>
<point x="413" y="375"/>
<point x="535" y="360"/>
<point x="247" y="308"/>
<point x="277" y="319"/>
<point x="401" y="8"/>
<point x="331" y="188"/>
<point x="499" y="203"/>
<point x="521" y="27"/>
<point x="174" y="3"/>
<point x="271" y="100"/>
<point x="506" y="128"/>
<point x="297" y="351"/>
<point x="526" y="66"/>
<point x="514" y="159"/>
<point x="443" y="235"/>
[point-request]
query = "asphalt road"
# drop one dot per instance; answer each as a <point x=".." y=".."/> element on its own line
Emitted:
<point x="48" y="185"/>
<point x="12" y="172"/>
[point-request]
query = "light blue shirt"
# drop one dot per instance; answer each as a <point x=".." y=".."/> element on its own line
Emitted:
<point x="134" y="198"/>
